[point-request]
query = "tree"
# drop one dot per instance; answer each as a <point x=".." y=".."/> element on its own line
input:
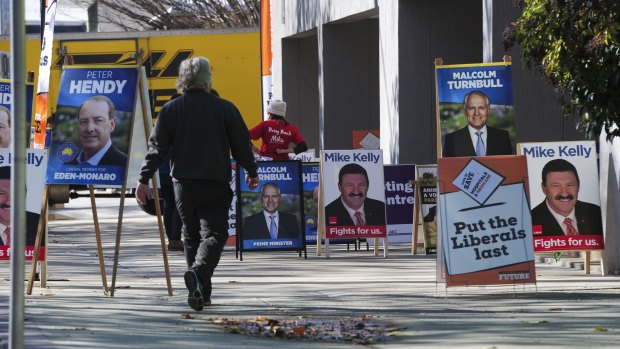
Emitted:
<point x="175" y="14"/>
<point x="575" y="45"/>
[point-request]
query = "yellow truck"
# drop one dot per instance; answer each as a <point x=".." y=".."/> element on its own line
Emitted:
<point x="234" y="55"/>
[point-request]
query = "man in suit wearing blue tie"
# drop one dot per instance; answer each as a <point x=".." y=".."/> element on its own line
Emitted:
<point x="477" y="139"/>
<point x="270" y="223"/>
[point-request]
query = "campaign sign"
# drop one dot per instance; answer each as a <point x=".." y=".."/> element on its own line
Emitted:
<point x="310" y="178"/>
<point x="5" y="111"/>
<point x="271" y="215"/>
<point x="354" y="193"/>
<point x="490" y="243"/>
<point x="569" y="190"/>
<point x="492" y="80"/>
<point x="36" y="162"/>
<point x="232" y="209"/>
<point x="399" y="201"/>
<point x="92" y="126"/>
<point x="426" y="179"/>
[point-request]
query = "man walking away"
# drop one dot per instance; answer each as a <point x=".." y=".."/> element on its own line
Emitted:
<point x="203" y="130"/>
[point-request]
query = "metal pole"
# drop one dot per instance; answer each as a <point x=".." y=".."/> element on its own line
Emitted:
<point x="18" y="173"/>
<point x="487" y="31"/>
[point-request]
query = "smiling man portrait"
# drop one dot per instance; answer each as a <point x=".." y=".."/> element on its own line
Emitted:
<point x="96" y="122"/>
<point x="561" y="213"/>
<point x="477" y="138"/>
<point x="353" y="206"/>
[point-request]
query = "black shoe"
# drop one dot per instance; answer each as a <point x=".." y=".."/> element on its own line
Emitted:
<point x="194" y="286"/>
<point x="175" y="245"/>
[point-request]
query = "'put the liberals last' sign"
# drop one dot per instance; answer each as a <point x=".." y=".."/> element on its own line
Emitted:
<point x="485" y="222"/>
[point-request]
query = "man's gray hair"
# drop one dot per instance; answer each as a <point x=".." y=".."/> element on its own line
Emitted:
<point x="194" y="73"/>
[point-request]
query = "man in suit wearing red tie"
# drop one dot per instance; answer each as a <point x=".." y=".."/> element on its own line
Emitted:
<point x="561" y="213"/>
<point x="5" y="206"/>
<point x="32" y="218"/>
<point x="477" y="139"/>
<point x="353" y="207"/>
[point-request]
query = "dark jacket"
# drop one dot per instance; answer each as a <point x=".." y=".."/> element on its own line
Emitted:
<point x="255" y="227"/>
<point x="458" y="143"/>
<point x="114" y="157"/>
<point x="589" y="221"/>
<point x="204" y="130"/>
<point x="374" y="212"/>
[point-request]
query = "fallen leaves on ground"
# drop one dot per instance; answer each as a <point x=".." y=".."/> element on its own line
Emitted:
<point x="600" y="329"/>
<point x="359" y="330"/>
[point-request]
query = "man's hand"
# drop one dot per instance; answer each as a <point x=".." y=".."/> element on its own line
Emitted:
<point x="142" y="193"/>
<point x="283" y="151"/>
<point x="252" y="182"/>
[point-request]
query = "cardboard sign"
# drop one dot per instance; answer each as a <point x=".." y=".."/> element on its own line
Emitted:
<point x="570" y="189"/>
<point x="92" y="126"/>
<point x="486" y="241"/>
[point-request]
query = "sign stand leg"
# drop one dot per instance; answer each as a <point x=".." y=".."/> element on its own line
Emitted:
<point x="117" y="244"/>
<point x="146" y="121"/>
<point x="376" y="247"/>
<point x="162" y="239"/>
<point x="93" y="205"/>
<point x="586" y="264"/>
<point x="417" y="207"/>
<point x="37" y="244"/>
<point x="385" y="247"/>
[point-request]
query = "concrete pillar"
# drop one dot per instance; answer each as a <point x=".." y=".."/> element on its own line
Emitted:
<point x="389" y="82"/>
<point x="609" y="159"/>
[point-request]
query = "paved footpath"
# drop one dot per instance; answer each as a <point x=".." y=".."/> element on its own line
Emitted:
<point x="565" y="309"/>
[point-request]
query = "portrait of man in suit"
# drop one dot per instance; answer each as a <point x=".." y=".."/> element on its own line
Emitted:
<point x="96" y="122"/>
<point x="270" y="222"/>
<point x="561" y="213"/>
<point x="32" y="219"/>
<point x="353" y="207"/>
<point x="477" y="138"/>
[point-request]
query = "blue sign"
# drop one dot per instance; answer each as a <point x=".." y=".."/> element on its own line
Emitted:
<point x="271" y="215"/>
<point x="92" y="126"/>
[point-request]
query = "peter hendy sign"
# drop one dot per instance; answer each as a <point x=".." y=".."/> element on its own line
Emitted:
<point x="92" y="126"/>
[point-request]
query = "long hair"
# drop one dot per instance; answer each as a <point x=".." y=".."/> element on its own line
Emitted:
<point x="194" y="73"/>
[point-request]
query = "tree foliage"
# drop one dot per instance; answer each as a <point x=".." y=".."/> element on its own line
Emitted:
<point x="177" y="14"/>
<point x="575" y="45"/>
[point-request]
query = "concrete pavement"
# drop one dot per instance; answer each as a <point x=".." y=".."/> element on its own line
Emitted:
<point x="565" y="308"/>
